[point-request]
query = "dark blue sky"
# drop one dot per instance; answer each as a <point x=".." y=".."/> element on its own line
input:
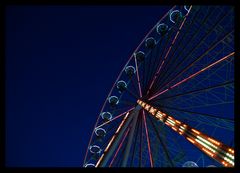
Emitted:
<point x="61" y="62"/>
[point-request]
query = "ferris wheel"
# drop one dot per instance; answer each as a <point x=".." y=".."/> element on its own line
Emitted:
<point x="172" y="103"/>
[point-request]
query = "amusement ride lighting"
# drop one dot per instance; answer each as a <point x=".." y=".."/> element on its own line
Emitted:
<point x="213" y="148"/>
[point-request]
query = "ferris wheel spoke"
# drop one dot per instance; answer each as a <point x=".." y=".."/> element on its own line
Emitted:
<point x="119" y="109"/>
<point x="143" y="73"/>
<point x="148" y="140"/>
<point x="163" y="75"/>
<point x="111" y="130"/>
<point x="116" y="117"/>
<point x="130" y="139"/>
<point x="132" y="88"/>
<point x="136" y="65"/>
<point x="151" y="78"/>
<point x="206" y="68"/>
<point x="161" y="143"/>
<point x="135" y="141"/>
<point x="120" y="145"/>
<point x="214" y="75"/>
<point x="193" y="75"/>
<point x="206" y="105"/>
<point x="153" y="59"/>
<point x="112" y="144"/>
<point x="141" y="139"/>
<point x="196" y="91"/>
<point x="133" y="84"/>
<point x="157" y="63"/>
<point x="120" y="157"/>
<point x="194" y="48"/>
<point x="198" y="113"/>
<point x="169" y="35"/>
<point x="202" y="119"/>
<point x="138" y="79"/>
<point x="200" y="101"/>
<point x="153" y="66"/>
<point x="127" y="102"/>
<point x="208" y="76"/>
<point x="132" y="93"/>
<point x="148" y="69"/>
<point x="169" y="49"/>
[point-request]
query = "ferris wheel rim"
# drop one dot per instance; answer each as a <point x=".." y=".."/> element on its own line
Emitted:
<point x="121" y="74"/>
<point x="132" y="55"/>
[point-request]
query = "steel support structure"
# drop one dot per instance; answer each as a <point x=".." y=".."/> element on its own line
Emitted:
<point x="210" y="146"/>
<point x="115" y="140"/>
<point x="130" y="138"/>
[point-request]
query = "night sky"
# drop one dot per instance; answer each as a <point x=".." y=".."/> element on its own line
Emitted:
<point x="61" y="62"/>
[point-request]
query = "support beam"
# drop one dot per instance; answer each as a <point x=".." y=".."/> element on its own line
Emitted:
<point x="210" y="146"/>
<point x="130" y="138"/>
<point x="114" y="142"/>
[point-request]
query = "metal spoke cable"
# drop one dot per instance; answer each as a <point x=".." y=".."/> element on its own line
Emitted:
<point x="157" y="88"/>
